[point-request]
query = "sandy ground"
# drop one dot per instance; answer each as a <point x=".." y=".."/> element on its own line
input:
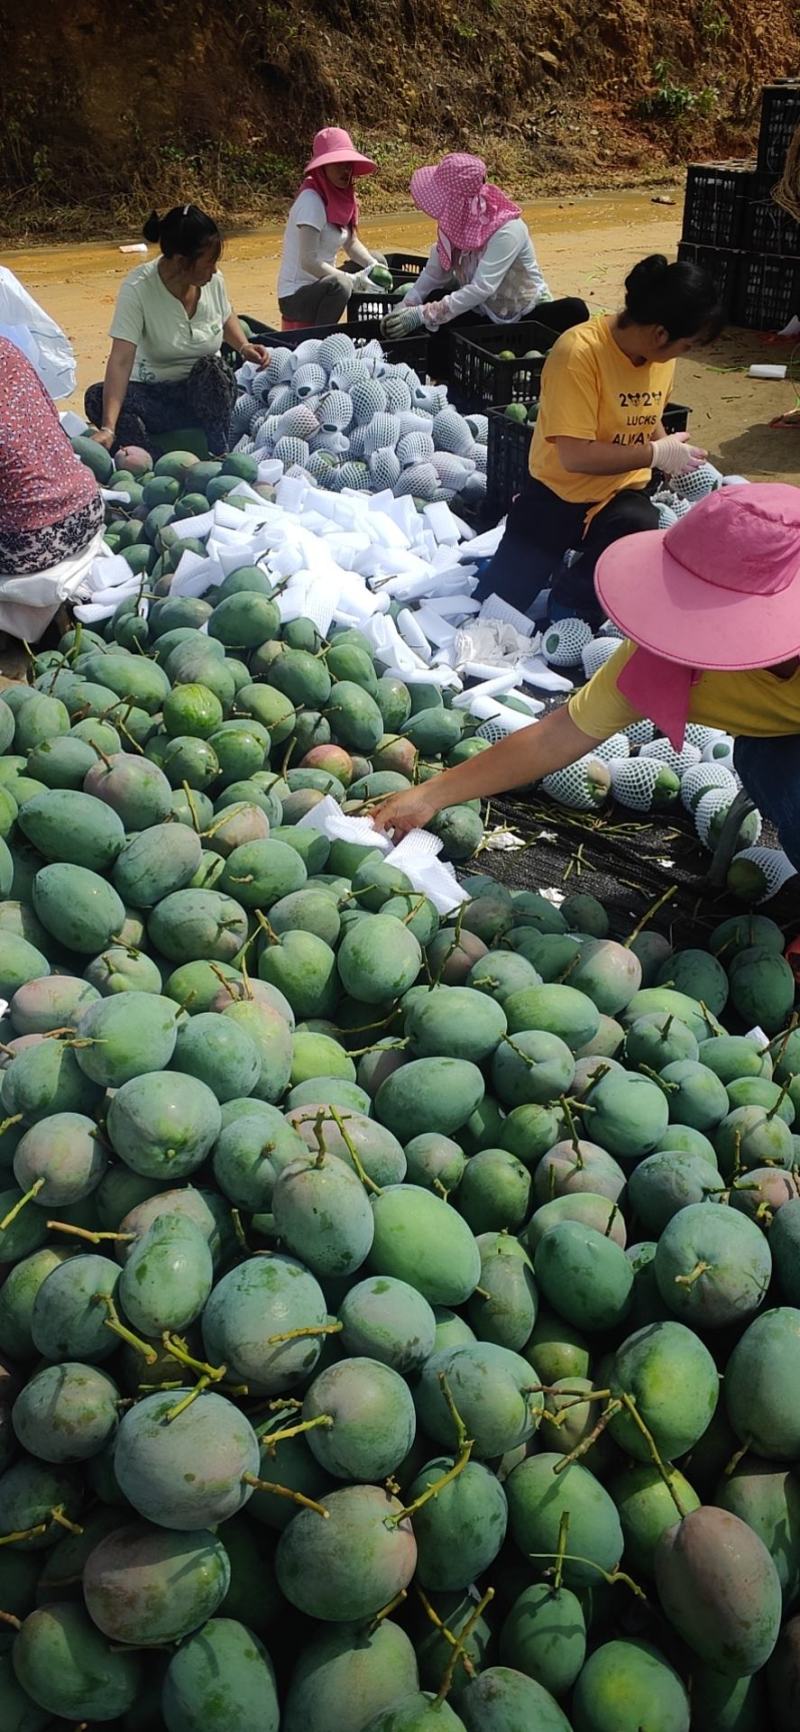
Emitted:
<point x="586" y="246"/>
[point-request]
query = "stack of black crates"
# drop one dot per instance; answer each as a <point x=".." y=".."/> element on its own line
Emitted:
<point x="731" y="225"/>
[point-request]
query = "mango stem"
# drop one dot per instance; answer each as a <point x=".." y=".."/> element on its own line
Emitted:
<point x="28" y="1197"/>
<point x="23" y="1534"/>
<point x="177" y="1349"/>
<point x="284" y="1491"/>
<point x="386" y="1611"/>
<point x="368" y="1183"/>
<point x="450" y="1669"/>
<point x="464" y="1448"/>
<point x="114" y="1322"/>
<point x="561" y="1547"/>
<point x="630" y="1407"/>
<point x="84" y="1233"/>
<point x="689" y="1280"/>
<point x="610" y="1576"/>
<point x="270" y="1439"/>
<point x="586" y="1443"/>
<point x="309" y="1329"/>
<point x="57" y="1515"/>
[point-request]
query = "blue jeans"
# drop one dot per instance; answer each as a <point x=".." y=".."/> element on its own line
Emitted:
<point x="770" y="771"/>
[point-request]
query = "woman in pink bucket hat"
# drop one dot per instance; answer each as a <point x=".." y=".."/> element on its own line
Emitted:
<point x="482" y="268"/>
<point x="711" y="613"/>
<point x="322" y="222"/>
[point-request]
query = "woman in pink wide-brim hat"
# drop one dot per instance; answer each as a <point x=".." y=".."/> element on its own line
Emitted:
<point x="323" y="222"/>
<point x="482" y="268"/>
<point x="711" y="614"/>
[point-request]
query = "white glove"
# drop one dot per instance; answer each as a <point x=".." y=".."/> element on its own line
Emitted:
<point x="673" y="456"/>
<point x="362" y="284"/>
<point x="380" y="259"/>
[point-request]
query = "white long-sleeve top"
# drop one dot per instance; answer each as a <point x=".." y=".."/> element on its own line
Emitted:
<point x="503" y="280"/>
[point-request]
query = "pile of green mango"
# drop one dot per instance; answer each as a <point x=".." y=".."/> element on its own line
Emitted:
<point x="399" y="1313"/>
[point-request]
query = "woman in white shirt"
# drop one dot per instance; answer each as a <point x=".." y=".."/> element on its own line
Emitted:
<point x="165" y="369"/>
<point x="323" y="222"/>
<point x="482" y="268"/>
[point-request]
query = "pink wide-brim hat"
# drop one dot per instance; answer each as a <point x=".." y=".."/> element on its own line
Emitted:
<point x="333" y="144"/>
<point x="720" y="589"/>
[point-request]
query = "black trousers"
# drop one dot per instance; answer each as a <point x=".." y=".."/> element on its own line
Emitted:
<point x="540" y="529"/>
<point x="554" y="315"/>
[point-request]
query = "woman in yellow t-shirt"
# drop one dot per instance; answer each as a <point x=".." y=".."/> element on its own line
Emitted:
<point x="711" y="612"/>
<point x="599" y="436"/>
<point x="165" y="369"/>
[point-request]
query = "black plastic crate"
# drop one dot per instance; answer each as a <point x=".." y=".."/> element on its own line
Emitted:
<point x="780" y="116"/>
<point x="370" y="309"/>
<point x="406" y="264"/>
<point x="479" y="379"/>
<point x="412" y="349"/>
<point x="406" y="267"/>
<point x="722" y="263"/>
<point x="768" y="292"/>
<point x="768" y="227"/>
<point x="507" y="472"/>
<point x="716" y="201"/>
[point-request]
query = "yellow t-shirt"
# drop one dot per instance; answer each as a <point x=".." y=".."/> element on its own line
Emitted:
<point x="756" y="702"/>
<point x="591" y="390"/>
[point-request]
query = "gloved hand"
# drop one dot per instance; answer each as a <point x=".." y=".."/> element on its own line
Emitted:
<point x="401" y="322"/>
<point x="673" y="456"/>
<point x="363" y="285"/>
<point x="379" y="259"/>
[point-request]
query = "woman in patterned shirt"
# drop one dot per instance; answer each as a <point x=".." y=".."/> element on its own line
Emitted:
<point x="482" y="269"/>
<point x="50" y="508"/>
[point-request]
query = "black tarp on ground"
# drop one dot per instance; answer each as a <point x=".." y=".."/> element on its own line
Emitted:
<point x="627" y="860"/>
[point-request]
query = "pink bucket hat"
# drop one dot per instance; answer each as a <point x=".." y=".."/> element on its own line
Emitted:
<point x="333" y="144"/>
<point x="719" y="590"/>
<point x="467" y="207"/>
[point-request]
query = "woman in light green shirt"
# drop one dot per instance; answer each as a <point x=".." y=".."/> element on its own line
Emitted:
<point x="165" y="369"/>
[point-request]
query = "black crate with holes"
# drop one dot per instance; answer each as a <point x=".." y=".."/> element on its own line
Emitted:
<point x="481" y="373"/>
<point x="715" y="206"/>
<point x="413" y="350"/>
<point x="508" y="449"/>
<point x="405" y="268"/>
<point x="780" y="116"/>
<point x="768" y="293"/>
<point x="722" y="263"/>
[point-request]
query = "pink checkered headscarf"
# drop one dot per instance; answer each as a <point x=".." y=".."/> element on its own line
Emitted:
<point x="467" y="207"/>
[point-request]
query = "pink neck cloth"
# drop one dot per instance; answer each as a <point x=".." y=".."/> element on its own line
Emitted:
<point x="660" y="690"/>
<point x="341" y="204"/>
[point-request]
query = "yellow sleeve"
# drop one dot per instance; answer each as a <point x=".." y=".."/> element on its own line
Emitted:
<point x="599" y="709"/>
<point x="570" y="391"/>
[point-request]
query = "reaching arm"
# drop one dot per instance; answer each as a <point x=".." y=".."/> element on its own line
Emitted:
<point x="118" y="371"/>
<point x="233" y="333"/>
<point x="356" y="250"/>
<point x="601" y="457"/>
<point x="519" y="759"/>
<point x="669" y="452"/>
<point x="431" y="277"/>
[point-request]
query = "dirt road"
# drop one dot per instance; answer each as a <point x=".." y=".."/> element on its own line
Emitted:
<point x="586" y="246"/>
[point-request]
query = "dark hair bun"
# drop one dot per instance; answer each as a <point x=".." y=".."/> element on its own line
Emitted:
<point x="680" y="297"/>
<point x="647" y="274"/>
<point x="152" y="228"/>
